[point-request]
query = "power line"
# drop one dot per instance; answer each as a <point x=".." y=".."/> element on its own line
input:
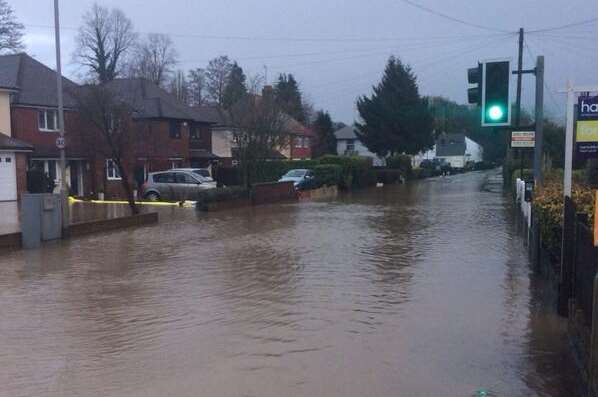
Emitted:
<point x="450" y="18"/>
<point x="283" y="39"/>
<point x="567" y="26"/>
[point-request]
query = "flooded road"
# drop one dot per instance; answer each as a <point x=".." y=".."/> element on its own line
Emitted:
<point x="418" y="290"/>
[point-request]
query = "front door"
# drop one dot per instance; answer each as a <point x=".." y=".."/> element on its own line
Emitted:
<point x="8" y="177"/>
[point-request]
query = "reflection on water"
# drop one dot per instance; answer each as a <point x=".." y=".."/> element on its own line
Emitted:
<point x="412" y="290"/>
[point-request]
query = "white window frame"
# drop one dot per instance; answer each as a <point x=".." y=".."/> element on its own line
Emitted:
<point x="45" y="112"/>
<point x="115" y="175"/>
<point x="350" y="145"/>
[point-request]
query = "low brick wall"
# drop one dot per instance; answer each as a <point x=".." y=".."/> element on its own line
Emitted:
<point x="10" y="241"/>
<point x="227" y="205"/>
<point x="322" y="193"/>
<point x="264" y="193"/>
<point x="104" y="225"/>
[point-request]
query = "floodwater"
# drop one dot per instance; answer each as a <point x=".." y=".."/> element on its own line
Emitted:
<point x="417" y="290"/>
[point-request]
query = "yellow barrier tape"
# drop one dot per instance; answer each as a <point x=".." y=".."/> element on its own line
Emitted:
<point x="185" y="204"/>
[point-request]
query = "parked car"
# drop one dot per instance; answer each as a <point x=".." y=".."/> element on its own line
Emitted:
<point x="204" y="173"/>
<point x="301" y="178"/>
<point x="174" y="185"/>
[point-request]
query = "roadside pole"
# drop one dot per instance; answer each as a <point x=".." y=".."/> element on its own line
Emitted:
<point x="518" y="98"/>
<point x="569" y="140"/>
<point x="539" y="138"/>
<point x="61" y="141"/>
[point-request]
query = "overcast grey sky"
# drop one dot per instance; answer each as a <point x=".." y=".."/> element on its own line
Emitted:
<point x="337" y="48"/>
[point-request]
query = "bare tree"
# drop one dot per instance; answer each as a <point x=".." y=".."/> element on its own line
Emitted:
<point x="259" y="129"/>
<point x="217" y="76"/>
<point x="179" y="87"/>
<point x="113" y="133"/>
<point x="11" y="31"/>
<point x="103" y="41"/>
<point x="197" y="86"/>
<point x="155" y="58"/>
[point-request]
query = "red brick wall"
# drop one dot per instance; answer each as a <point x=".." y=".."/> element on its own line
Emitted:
<point x="21" y="165"/>
<point x="24" y="122"/>
<point x="263" y="193"/>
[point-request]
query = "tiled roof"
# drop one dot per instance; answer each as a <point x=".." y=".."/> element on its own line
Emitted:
<point x="35" y="82"/>
<point x="151" y="101"/>
<point x="213" y="114"/>
<point x="347" y="132"/>
<point x="9" y="143"/>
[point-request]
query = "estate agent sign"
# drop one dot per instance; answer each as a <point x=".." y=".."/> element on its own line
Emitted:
<point x="587" y="127"/>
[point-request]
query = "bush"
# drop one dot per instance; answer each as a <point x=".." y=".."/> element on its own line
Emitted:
<point x="401" y="162"/>
<point x="548" y="205"/>
<point x="328" y="174"/>
<point x="357" y="172"/>
<point x="387" y="176"/>
<point x="39" y="182"/>
<point x="591" y="173"/>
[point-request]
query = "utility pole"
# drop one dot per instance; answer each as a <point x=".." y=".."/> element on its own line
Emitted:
<point x="60" y="143"/>
<point x="518" y="99"/>
<point x="539" y="144"/>
<point x="519" y="78"/>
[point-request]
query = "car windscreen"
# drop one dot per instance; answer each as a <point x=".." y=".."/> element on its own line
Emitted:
<point x="295" y="173"/>
<point x="204" y="173"/>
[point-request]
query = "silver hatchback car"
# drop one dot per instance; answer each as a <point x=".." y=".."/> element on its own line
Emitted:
<point x="174" y="185"/>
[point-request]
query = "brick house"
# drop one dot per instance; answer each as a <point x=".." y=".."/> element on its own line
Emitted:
<point x="34" y="120"/>
<point x="222" y="136"/>
<point x="168" y="134"/>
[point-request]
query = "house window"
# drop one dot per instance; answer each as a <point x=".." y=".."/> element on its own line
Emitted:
<point x="306" y="142"/>
<point x="298" y="142"/>
<point x="175" y="130"/>
<point x="48" y="120"/>
<point x="350" y="145"/>
<point x="112" y="173"/>
<point x="194" y="133"/>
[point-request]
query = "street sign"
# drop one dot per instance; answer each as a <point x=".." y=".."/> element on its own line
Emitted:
<point x="60" y="143"/>
<point x="587" y="127"/>
<point x="523" y="139"/>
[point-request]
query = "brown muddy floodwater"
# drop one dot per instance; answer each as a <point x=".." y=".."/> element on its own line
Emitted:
<point x="418" y="290"/>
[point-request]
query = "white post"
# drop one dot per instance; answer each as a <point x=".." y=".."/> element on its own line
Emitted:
<point x="569" y="140"/>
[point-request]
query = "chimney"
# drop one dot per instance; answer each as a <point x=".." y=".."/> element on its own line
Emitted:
<point x="268" y="91"/>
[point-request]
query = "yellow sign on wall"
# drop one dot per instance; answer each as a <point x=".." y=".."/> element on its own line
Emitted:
<point x="587" y="131"/>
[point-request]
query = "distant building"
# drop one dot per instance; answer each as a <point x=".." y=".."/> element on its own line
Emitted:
<point x="348" y="144"/>
<point x="458" y="150"/>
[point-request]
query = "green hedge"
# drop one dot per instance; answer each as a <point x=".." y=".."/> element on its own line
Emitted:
<point x="357" y="171"/>
<point x="328" y="174"/>
<point x="401" y="162"/>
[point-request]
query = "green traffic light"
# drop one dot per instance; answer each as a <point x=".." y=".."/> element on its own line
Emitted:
<point x="495" y="113"/>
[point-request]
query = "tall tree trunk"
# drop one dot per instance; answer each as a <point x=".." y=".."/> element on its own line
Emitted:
<point x="127" y="186"/>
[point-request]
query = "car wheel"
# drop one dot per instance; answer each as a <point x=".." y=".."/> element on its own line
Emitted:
<point x="152" y="196"/>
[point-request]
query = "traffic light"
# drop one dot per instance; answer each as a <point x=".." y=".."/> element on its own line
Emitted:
<point x="496" y="90"/>
<point x="491" y="91"/>
<point x="474" y="77"/>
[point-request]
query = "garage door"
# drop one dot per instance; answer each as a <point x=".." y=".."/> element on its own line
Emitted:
<point x="8" y="177"/>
